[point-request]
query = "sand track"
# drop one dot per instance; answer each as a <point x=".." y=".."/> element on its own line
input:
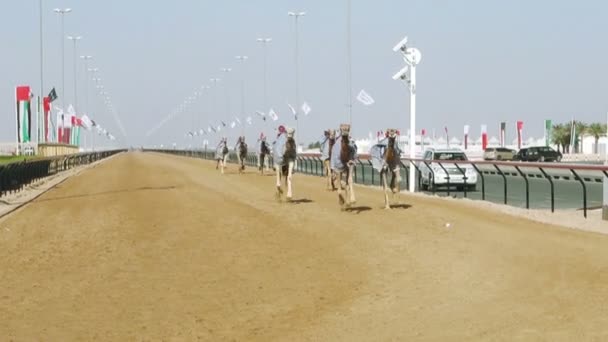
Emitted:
<point x="157" y="247"/>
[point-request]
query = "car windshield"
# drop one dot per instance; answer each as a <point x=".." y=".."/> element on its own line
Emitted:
<point x="450" y="156"/>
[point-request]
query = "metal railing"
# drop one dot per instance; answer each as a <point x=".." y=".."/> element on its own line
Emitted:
<point x="524" y="184"/>
<point x="16" y="175"/>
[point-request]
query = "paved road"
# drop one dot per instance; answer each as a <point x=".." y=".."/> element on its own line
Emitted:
<point x="158" y="247"/>
<point x="568" y="193"/>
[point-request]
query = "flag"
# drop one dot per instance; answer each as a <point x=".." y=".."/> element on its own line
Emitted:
<point x="293" y="111"/>
<point x="233" y="124"/>
<point x="249" y="120"/>
<point x="237" y="120"/>
<point x="423" y="132"/>
<point x="273" y="115"/>
<point x="24" y="114"/>
<point x="52" y="95"/>
<point x="223" y="123"/>
<point x="520" y="128"/>
<point x="46" y="113"/>
<point x="548" y="132"/>
<point x="484" y="137"/>
<point x="466" y="136"/>
<point x="365" y="98"/>
<point x="261" y="115"/>
<point x="86" y="122"/>
<point x="503" y="137"/>
<point x="306" y="109"/>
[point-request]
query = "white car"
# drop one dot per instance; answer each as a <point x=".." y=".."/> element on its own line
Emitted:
<point x="433" y="174"/>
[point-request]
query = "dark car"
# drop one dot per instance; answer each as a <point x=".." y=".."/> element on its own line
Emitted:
<point x="538" y="154"/>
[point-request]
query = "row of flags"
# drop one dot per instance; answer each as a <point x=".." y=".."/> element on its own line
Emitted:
<point x="68" y="125"/>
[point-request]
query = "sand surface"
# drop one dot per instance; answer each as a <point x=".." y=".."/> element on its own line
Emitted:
<point x="158" y="247"/>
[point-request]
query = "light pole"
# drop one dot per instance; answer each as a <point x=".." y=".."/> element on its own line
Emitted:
<point x="75" y="40"/>
<point x="226" y="92"/>
<point x="86" y="60"/>
<point x="296" y="16"/>
<point x="41" y="100"/>
<point x="265" y="42"/>
<point x="62" y="13"/>
<point x="242" y="59"/>
<point x="412" y="57"/>
<point x="214" y="81"/>
<point x="350" y="70"/>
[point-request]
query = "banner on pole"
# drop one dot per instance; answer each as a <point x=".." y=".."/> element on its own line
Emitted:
<point x="466" y="136"/>
<point x="484" y="137"/>
<point x="548" y="132"/>
<point x="503" y="134"/>
<point x="520" y="128"/>
<point x="24" y="114"/>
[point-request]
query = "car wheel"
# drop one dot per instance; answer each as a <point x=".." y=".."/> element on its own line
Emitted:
<point x="558" y="159"/>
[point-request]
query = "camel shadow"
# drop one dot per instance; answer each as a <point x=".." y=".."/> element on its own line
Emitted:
<point x="357" y="210"/>
<point x="400" y="206"/>
<point x="301" y="201"/>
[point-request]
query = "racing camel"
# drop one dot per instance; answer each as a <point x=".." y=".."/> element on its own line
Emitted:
<point x="326" y="148"/>
<point x="285" y="154"/>
<point x="221" y="154"/>
<point x="386" y="158"/>
<point x="241" y="152"/>
<point x="343" y="157"/>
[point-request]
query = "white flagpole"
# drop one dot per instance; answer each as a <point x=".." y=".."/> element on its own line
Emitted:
<point x="17" y="121"/>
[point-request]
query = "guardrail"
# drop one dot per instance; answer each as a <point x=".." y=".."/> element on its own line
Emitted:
<point x="16" y="175"/>
<point x="525" y="184"/>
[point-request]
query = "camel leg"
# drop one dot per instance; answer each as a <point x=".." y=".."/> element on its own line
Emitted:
<point x="278" y="184"/>
<point x="383" y="176"/>
<point x="328" y="174"/>
<point x="351" y="187"/>
<point x="340" y="189"/>
<point x="289" y="177"/>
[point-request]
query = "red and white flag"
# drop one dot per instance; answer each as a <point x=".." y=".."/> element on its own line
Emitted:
<point x="466" y="136"/>
<point x="484" y="137"/>
<point x="520" y="129"/>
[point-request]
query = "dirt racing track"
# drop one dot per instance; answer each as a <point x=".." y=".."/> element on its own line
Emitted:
<point x="157" y="247"/>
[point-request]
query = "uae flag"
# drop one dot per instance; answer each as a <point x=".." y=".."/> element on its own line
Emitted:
<point x="548" y="131"/>
<point x="484" y="137"/>
<point x="75" y="133"/>
<point x="24" y="114"/>
<point x="466" y="137"/>
<point x="520" y="128"/>
<point x="46" y="114"/>
<point x="503" y="135"/>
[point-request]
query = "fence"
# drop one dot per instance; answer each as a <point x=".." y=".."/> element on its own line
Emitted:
<point x="15" y="176"/>
<point x="527" y="185"/>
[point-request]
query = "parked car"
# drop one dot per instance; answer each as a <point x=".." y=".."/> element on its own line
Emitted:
<point x="499" y="153"/>
<point x="433" y="175"/>
<point x="538" y="154"/>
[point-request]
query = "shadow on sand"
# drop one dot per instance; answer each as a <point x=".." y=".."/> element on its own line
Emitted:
<point x="357" y="210"/>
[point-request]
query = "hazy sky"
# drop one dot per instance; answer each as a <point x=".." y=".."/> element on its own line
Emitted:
<point x="483" y="62"/>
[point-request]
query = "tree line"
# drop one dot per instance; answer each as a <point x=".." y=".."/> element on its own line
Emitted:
<point x="561" y="135"/>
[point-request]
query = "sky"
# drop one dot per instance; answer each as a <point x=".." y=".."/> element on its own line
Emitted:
<point x="483" y="62"/>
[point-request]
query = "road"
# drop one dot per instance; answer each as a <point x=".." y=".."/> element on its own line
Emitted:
<point x="568" y="193"/>
<point x="157" y="247"/>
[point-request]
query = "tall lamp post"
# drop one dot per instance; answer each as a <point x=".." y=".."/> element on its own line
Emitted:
<point x="62" y="13"/>
<point x="242" y="59"/>
<point x="265" y="42"/>
<point x="412" y="57"/>
<point x="226" y="92"/>
<point x="296" y="16"/>
<point x="75" y="40"/>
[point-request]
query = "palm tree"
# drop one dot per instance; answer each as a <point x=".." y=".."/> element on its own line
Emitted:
<point x="560" y="137"/>
<point x="596" y="130"/>
<point x="581" y="130"/>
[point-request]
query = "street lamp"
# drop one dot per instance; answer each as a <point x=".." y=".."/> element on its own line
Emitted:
<point x="75" y="39"/>
<point x="265" y="42"/>
<point x="86" y="60"/>
<point x="62" y="13"/>
<point x="412" y="57"/>
<point x="296" y="16"/>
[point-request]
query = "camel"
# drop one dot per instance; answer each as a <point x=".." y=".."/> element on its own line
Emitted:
<point x="241" y="149"/>
<point x="386" y="157"/>
<point x="343" y="158"/>
<point x="221" y="154"/>
<point x="264" y="154"/>
<point x="326" y="148"/>
<point x="285" y="154"/>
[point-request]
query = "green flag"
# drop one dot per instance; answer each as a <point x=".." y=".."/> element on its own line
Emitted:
<point x="548" y="132"/>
